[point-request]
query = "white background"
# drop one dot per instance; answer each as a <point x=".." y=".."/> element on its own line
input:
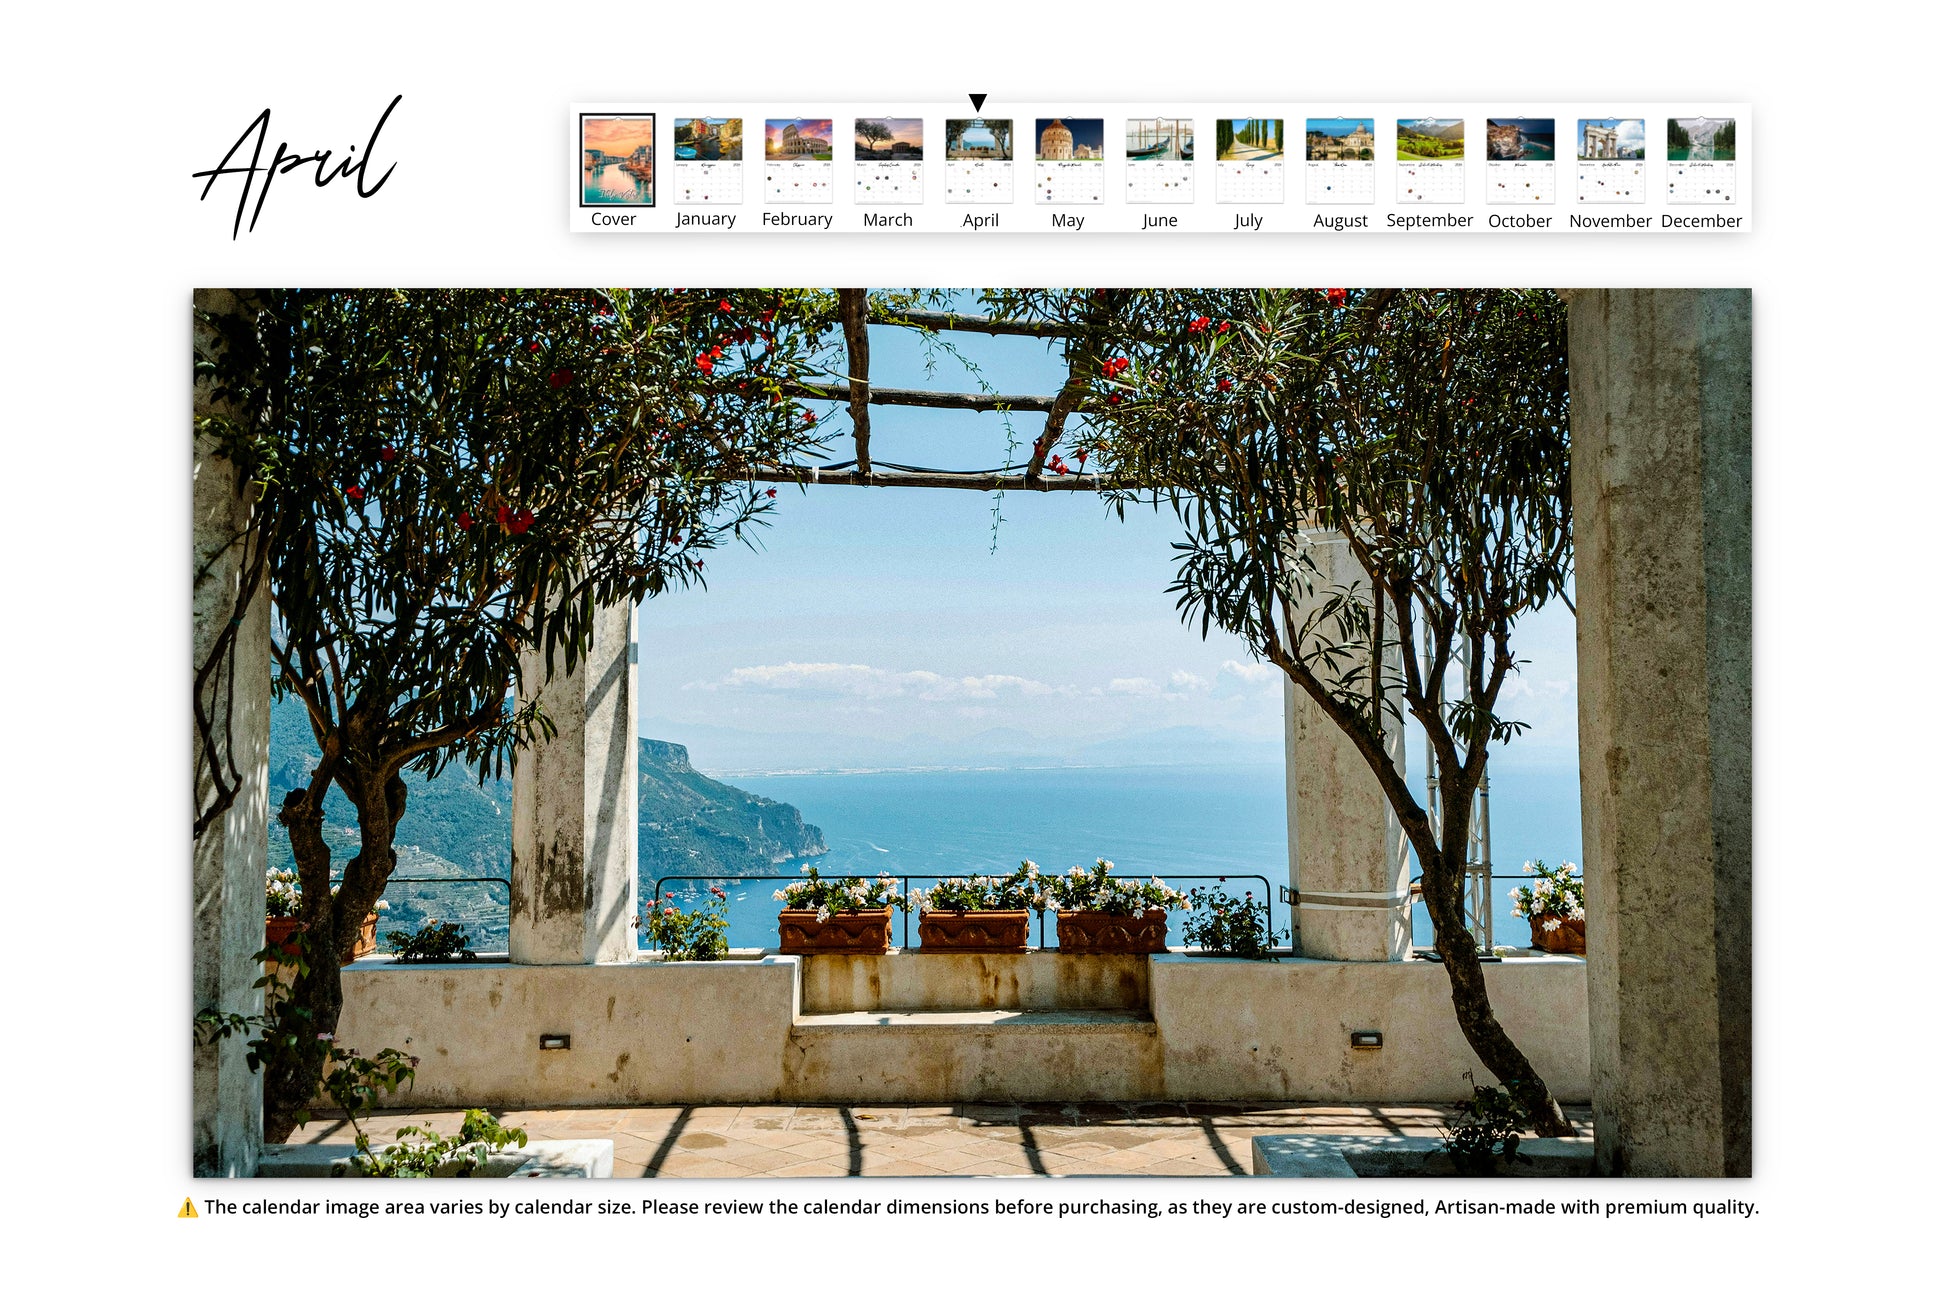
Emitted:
<point x="109" y="111"/>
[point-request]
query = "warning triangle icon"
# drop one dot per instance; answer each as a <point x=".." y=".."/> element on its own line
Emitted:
<point x="188" y="1211"/>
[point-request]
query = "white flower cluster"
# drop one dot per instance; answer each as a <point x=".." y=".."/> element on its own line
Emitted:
<point x="1556" y="895"/>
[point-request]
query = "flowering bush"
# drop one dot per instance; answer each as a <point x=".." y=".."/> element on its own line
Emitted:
<point x="283" y="894"/>
<point x="1094" y="891"/>
<point x="1555" y="895"/>
<point x="847" y="895"/>
<point x="421" y="1152"/>
<point x="1222" y="924"/>
<point x="435" y="942"/>
<point x="1020" y="890"/>
<point x="697" y="934"/>
<point x="280" y="893"/>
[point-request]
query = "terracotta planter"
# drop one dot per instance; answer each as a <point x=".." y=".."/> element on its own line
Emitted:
<point x="1086" y="933"/>
<point x="1571" y="938"/>
<point x="280" y="934"/>
<point x="868" y="932"/>
<point x="1000" y="931"/>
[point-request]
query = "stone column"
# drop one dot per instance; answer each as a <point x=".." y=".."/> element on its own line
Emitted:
<point x="574" y="809"/>
<point x="228" y="857"/>
<point x="1348" y="860"/>
<point x="1660" y="389"/>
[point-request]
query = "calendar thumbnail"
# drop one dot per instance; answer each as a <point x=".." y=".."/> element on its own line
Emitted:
<point x="1161" y="159"/>
<point x="709" y="160"/>
<point x="618" y="159"/>
<point x="1702" y="160"/>
<point x="979" y="160"/>
<point x="1249" y="160"/>
<point x="888" y="160"/>
<point x="1340" y="160"/>
<point x="1431" y="160"/>
<point x="797" y="160"/>
<point x="1610" y="165"/>
<point x="1068" y="161"/>
<point x="1520" y="160"/>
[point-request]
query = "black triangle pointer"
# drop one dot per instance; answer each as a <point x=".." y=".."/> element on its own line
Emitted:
<point x="978" y="100"/>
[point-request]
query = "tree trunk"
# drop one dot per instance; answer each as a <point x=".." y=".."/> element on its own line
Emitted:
<point x="289" y="1087"/>
<point x="1461" y="955"/>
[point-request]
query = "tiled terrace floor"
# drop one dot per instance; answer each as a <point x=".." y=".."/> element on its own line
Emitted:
<point x="1045" y="1139"/>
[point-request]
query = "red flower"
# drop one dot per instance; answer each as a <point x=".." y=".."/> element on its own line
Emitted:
<point x="1336" y="296"/>
<point x="465" y="520"/>
<point x="559" y="379"/>
<point x="387" y="454"/>
<point x="1198" y="324"/>
<point x="705" y="364"/>
<point x="521" y="521"/>
<point x="1060" y="468"/>
<point x="809" y="417"/>
<point x="1114" y="398"/>
<point x="716" y="353"/>
<point x="767" y="316"/>
<point x="723" y="304"/>
<point x="771" y="493"/>
<point x="1222" y="384"/>
<point x="533" y="346"/>
<point x="1223" y="327"/>
<point x="355" y="492"/>
<point x="501" y="516"/>
<point x="1081" y="458"/>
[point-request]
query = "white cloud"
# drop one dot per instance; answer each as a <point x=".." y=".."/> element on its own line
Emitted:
<point x="1250" y="673"/>
<point x="858" y="681"/>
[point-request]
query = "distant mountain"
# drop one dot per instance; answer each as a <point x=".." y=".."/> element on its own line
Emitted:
<point x="457" y="827"/>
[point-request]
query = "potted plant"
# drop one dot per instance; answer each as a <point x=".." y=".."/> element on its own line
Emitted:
<point x="434" y="943"/>
<point x="849" y="915"/>
<point x="697" y="935"/>
<point x="282" y="898"/>
<point x="1554" y="908"/>
<point x="1099" y="915"/>
<point x="1222" y="924"/>
<point x="982" y="913"/>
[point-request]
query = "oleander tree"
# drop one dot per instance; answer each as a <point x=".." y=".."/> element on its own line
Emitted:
<point x="1430" y="430"/>
<point x="453" y="479"/>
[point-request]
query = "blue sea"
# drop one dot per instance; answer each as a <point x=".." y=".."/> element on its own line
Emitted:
<point x="1150" y="820"/>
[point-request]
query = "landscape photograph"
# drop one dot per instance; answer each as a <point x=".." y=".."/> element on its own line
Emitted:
<point x="708" y="139"/>
<point x="1159" y="139"/>
<point x="979" y="139"/>
<point x="618" y="160"/>
<point x="566" y="805"/>
<point x="1432" y="139"/>
<point x="1068" y="139"/>
<point x="1339" y="139"/>
<point x="798" y="139"/>
<point x="889" y="139"/>
<point x="1702" y="139"/>
<point x="1608" y="139"/>
<point x="1520" y="139"/>
<point x="1249" y="139"/>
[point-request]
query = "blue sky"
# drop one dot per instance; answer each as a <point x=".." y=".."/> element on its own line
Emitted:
<point x="884" y="627"/>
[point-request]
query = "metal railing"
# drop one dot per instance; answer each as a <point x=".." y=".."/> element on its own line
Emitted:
<point x="905" y="889"/>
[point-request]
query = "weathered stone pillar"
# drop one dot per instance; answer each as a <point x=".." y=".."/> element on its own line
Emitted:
<point x="1348" y="860"/>
<point x="1660" y="390"/>
<point x="228" y="856"/>
<point x="574" y="810"/>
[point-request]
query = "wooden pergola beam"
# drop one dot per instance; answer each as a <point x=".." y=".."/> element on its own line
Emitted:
<point x="931" y="480"/>
<point x="858" y="366"/>
<point x="978" y="402"/>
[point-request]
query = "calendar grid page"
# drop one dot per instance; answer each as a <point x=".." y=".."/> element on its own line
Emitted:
<point x="1611" y="164"/>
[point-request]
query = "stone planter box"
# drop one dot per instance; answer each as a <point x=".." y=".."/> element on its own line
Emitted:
<point x="279" y="934"/>
<point x="867" y="932"/>
<point x="995" y="931"/>
<point x="1571" y="938"/>
<point x="1083" y="932"/>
